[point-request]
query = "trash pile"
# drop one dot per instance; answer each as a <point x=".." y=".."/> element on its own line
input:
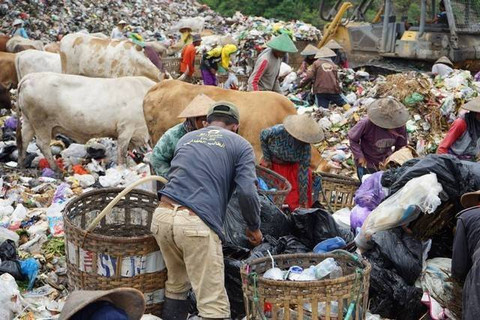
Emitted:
<point x="433" y="104"/>
<point x="403" y="220"/>
<point x="32" y="248"/>
<point x="153" y="19"/>
<point x="304" y="230"/>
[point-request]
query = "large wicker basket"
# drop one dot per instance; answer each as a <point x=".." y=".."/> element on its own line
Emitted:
<point x="337" y="192"/>
<point x="287" y="299"/>
<point x="120" y="251"/>
<point x="274" y="181"/>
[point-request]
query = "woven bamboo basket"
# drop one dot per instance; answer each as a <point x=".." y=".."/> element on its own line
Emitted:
<point x="337" y="191"/>
<point x="274" y="180"/>
<point x="120" y="251"/>
<point x="327" y="299"/>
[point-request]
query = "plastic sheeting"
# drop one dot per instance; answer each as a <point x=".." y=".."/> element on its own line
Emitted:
<point x="273" y="222"/>
<point x="396" y="259"/>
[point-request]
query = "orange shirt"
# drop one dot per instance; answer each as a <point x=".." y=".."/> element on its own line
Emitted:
<point x="188" y="59"/>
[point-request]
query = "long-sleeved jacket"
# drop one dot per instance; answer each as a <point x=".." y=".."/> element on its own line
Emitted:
<point x="164" y="150"/>
<point x="188" y="59"/>
<point x="323" y="73"/>
<point x="265" y="74"/>
<point x="373" y="143"/>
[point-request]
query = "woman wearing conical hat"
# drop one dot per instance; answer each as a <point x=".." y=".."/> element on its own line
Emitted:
<point x="286" y="150"/>
<point x="463" y="137"/>
<point x="373" y="137"/>
<point x="195" y="114"/>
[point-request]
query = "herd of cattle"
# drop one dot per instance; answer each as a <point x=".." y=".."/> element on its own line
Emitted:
<point x="92" y="87"/>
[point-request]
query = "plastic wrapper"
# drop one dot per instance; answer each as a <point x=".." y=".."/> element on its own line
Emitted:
<point x="55" y="219"/>
<point x="418" y="195"/>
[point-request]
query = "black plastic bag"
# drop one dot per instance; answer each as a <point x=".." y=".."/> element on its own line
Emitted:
<point x="312" y="226"/>
<point x="456" y="177"/>
<point x="390" y="176"/>
<point x="12" y="267"/>
<point x="273" y="222"/>
<point x="402" y="251"/>
<point x="8" y="251"/>
<point x="235" y="257"/>
<point x="391" y="297"/>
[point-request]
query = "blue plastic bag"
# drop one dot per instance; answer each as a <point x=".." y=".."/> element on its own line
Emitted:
<point x="330" y="245"/>
<point x="29" y="269"/>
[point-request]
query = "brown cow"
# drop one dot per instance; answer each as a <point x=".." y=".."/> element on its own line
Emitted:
<point x="258" y="110"/>
<point x="5" y="101"/>
<point x="8" y="73"/>
<point x="3" y="43"/>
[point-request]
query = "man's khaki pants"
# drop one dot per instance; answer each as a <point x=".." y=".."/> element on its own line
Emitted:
<point x="194" y="258"/>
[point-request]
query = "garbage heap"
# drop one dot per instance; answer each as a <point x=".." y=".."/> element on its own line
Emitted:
<point x="404" y="221"/>
<point x="433" y="105"/>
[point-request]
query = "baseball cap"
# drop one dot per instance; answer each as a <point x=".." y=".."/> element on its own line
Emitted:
<point x="224" y="108"/>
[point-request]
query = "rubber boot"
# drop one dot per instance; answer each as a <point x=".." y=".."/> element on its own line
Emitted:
<point x="175" y="309"/>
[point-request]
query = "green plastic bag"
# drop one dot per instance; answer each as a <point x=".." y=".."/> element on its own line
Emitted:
<point x="413" y="99"/>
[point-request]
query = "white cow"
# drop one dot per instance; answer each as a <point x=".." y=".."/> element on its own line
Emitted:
<point x="31" y="61"/>
<point x="17" y="44"/>
<point x="89" y="56"/>
<point x="81" y="108"/>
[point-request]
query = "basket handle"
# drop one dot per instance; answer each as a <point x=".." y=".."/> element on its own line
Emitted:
<point x="115" y="200"/>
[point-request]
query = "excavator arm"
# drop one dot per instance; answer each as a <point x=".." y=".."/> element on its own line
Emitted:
<point x="331" y="29"/>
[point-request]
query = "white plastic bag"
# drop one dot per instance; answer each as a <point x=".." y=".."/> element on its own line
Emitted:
<point x="6" y="234"/>
<point x="18" y="215"/>
<point x="9" y="297"/>
<point x="421" y="192"/>
<point x="285" y="69"/>
<point x="112" y="178"/>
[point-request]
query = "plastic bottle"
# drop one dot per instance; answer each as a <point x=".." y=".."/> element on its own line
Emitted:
<point x="325" y="267"/>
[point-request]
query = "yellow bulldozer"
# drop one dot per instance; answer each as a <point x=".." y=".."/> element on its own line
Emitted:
<point x="445" y="28"/>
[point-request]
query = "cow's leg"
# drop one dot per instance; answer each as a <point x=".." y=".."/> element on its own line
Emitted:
<point x="25" y="134"/>
<point x="123" y="142"/>
<point x="44" y="136"/>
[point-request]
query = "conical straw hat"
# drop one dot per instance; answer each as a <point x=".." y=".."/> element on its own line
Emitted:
<point x="128" y="299"/>
<point x="334" y="45"/>
<point x="282" y="43"/>
<point x="388" y="113"/>
<point x="445" y="60"/>
<point x="472" y="105"/>
<point x="309" y="50"/>
<point x="303" y="128"/>
<point x="198" y="107"/>
<point x="325" y="52"/>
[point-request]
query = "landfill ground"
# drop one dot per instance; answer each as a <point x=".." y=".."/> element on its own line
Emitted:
<point x="411" y="260"/>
